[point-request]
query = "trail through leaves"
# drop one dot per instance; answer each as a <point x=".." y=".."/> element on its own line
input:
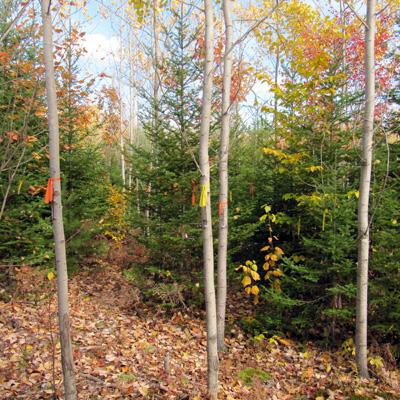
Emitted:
<point x="125" y="349"/>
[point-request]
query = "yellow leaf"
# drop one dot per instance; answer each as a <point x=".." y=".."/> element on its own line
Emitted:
<point x="246" y="281"/>
<point x="278" y="251"/>
<point x="144" y="390"/>
<point x="283" y="341"/>
<point x="265" y="248"/>
<point x="255" y="301"/>
<point x="272" y="340"/>
<point x="277" y="273"/>
<point x="255" y="290"/>
<point x="314" y="168"/>
<point x="308" y="373"/>
<point x="50" y="275"/>
<point x="297" y="258"/>
<point x="377" y="362"/>
<point x="259" y="338"/>
<point x="255" y="275"/>
<point x="248" y="289"/>
<point x="328" y="368"/>
<point x="266" y="266"/>
<point x="273" y="257"/>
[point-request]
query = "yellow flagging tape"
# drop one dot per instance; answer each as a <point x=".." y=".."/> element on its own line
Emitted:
<point x="203" y="196"/>
<point x="324" y="218"/>
<point x="20" y="186"/>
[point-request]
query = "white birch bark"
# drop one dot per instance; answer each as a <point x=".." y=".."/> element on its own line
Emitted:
<point x="363" y="202"/>
<point x="122" y="146"/>
<point x="276" y="76"/>
<point x="57" y="217"/>
<point x="132" y="105"/>
<point x="223" y="176"/>
<point x="156" y="61"/>
<point x="208" y="251"/>
<point x="121" y="107"/>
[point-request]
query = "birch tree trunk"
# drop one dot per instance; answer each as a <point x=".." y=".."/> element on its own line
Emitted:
<point x="208" y="251"/>
<point x="363" y="202"/>
<point x="156" y="61"/>
<point x="122" y="144"/>
<point x="156" y="99"/>
<point x="223" y="176"/>
<point x="276" y="77"/>
<point x="121" y="110"/>
<point x="132" y="104"/>
<point x="57" y="217"/>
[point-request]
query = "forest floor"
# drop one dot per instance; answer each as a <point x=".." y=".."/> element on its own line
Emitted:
<point x="126" y="349"/>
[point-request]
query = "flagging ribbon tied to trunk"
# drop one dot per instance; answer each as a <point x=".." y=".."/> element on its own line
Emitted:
<point x="203" y="196"/>
<point x="222" y="204"/>
<point x="48" y="198"/>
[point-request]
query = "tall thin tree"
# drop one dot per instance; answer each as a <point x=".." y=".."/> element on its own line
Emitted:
<point x="208" y="250"/>
<point x="223" y="176"/>
<point x="54" y="193"/>
<point x="363" y="202"/>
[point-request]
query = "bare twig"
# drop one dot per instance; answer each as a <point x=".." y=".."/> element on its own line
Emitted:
<point x="356" y="14"/>
<point x="13" y="22"/>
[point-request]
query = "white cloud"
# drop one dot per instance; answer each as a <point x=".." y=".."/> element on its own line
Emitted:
<point x="262" y="90"/>
<point x="101" y="48"/>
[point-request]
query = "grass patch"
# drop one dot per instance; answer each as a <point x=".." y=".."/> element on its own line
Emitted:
<point x="249" y="374"/>
<point x="127" y="378"/>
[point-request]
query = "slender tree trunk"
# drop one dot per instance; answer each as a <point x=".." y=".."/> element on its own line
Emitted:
<point x="122" y="143"/>
<point x="276" y="78"/>
<point x="156" y="61"/>
<point x="156" y="99"/>
<point x="208" y="251"/>
<point x="58" y="227"/>
<point x="363" y="203"/>
<point x="223" y="176"/>
<point x="132" y="106"/>
<point x="121" y="108"/>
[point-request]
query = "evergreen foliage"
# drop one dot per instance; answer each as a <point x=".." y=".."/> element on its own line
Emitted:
<point x="165" y="168"/>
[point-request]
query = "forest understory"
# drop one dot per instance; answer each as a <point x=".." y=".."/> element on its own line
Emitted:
<point x="200" y="198"/>
<point x="128" y="348"/>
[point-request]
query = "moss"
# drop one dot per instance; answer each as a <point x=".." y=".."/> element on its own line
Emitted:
<point x="248" y="374"/>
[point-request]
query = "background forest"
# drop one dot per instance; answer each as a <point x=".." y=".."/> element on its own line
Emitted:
<point x="129" y="145"/>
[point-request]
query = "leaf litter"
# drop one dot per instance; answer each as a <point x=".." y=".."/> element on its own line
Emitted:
<point x="127" y="349"/>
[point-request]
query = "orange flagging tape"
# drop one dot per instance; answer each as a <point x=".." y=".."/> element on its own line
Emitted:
<point x="221" y="205"/>
<point x="194" y="188"/>
<point x="48" y="198"/>
<point x="251" y="189"/>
